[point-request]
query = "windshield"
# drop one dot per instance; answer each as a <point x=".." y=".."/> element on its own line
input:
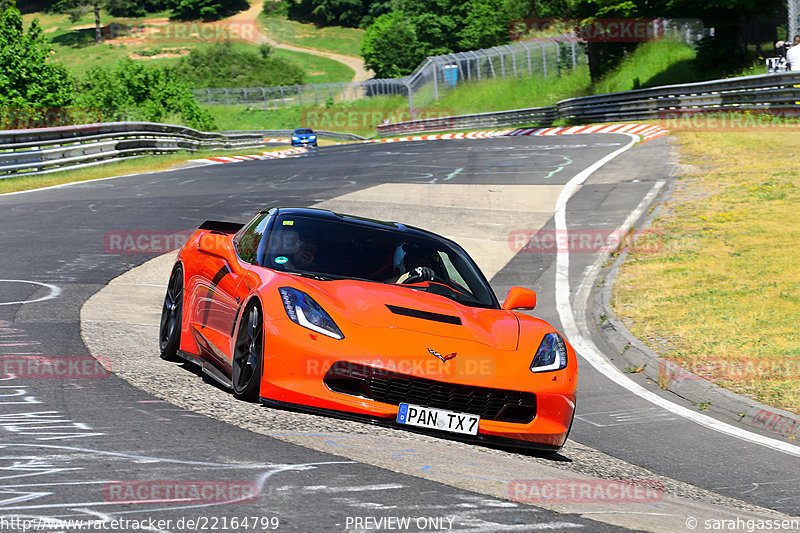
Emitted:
<point x="333" y="249"/>
<point x="303" y="131"/>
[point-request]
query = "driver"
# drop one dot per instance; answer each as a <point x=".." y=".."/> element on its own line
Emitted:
<point x="294" y="251"/>
<point x="413" y="263"/>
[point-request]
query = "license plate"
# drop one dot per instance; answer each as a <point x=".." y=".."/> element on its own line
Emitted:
<point x="427" y="417"/>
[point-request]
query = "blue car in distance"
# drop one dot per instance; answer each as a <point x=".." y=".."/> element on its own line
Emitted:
<point x="304" y="137"/>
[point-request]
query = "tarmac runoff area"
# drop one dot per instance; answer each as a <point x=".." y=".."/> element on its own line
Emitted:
<point x="120" y="323"/>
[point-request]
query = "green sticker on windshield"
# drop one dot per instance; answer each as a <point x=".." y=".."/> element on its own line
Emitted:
<point x="288" y="222"/>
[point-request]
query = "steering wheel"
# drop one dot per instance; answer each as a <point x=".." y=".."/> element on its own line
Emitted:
<point x="417" y="275"/>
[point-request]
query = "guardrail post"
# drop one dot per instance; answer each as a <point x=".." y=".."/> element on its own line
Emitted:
<point x="264" y="96"/>
<point x="315" y="93"/>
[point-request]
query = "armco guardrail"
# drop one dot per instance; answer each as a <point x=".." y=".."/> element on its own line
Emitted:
<point x="535" y="115"/>
<point x="45" y="150"/>
<point x="765" y="93"/>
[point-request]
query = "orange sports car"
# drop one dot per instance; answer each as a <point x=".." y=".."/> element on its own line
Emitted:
<point x="314" y="310"/>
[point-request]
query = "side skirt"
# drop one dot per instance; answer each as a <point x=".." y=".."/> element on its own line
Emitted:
<point x="208" y="369"/>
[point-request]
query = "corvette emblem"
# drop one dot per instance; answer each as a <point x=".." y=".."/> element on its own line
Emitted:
<point x="444" y="358"/>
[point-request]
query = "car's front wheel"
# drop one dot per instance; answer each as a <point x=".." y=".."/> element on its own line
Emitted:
<point x="248" y="353"/>
<point x="169" y="335"/>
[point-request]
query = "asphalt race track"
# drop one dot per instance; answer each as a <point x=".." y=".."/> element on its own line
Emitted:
<point x="65" y="443"/>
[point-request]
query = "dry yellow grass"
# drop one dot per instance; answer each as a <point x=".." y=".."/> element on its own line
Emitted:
<point x="722" y="295"/>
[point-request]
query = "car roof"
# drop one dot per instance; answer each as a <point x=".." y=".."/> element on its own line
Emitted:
<point x="325" y="214"/>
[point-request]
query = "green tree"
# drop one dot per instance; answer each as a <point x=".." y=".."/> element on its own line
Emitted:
<point x="132" y="91"/>
<point x="390" y="46"/>
<point x="28" y="78"/>
<point x="486" y="24"/>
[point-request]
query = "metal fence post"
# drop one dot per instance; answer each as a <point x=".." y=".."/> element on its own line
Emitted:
<point x="558" y="58"/>
<point x="574" y="57"/>
<point x="435" y="84"/>
<point x="544" y="58"/>
<point x="513" y="59"/>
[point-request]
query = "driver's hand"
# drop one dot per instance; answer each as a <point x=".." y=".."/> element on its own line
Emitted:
<point x="423" y="273"/>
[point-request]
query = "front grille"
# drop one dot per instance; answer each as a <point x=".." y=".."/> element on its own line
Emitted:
<point x="394" y="388"/>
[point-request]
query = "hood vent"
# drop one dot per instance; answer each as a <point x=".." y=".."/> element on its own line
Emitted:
<point x="425" y="315"/>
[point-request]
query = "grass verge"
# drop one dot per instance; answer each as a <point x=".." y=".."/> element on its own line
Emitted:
<point x="345" y="41"/>
<point x="722" y="295"/>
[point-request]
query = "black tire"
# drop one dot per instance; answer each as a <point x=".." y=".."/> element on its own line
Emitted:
<point x="248" y="354"/>
<point x="169" y="335"/>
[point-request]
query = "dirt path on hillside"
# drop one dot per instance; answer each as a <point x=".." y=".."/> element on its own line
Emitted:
<point x="251" y="14"/>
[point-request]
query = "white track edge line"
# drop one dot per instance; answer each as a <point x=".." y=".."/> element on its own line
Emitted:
<point x="592" y="355"/>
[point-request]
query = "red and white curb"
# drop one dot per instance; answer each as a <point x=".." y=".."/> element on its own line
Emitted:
<point x="277" y="140"/>
<point x="648" y="132"/>
<point x="238" y="158"/>
<point x="438" y="136"/>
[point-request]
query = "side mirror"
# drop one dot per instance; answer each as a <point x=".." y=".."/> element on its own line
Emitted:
<point x="220" y="246"/>
<point x="520" y="298"/>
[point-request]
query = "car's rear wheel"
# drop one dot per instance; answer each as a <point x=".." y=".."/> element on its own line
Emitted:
<point x="169" y="335"/>
<point x="248" y="353"/>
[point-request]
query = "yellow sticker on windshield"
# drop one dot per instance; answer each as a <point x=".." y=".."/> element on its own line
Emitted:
<point x="288" y="222"/>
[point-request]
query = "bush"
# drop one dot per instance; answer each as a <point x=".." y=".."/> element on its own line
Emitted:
<point x="276" y="8"/>
<point x="222" y="65"/>
<point x="208" y="9"/>
<point x="131" y="91"/>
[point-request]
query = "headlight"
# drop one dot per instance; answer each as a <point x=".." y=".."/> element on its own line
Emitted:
<point x="551" y="355"/>
<point x="304" y="310"/>
<point x="295" y="138"/>
<point x="312" y="137"/>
